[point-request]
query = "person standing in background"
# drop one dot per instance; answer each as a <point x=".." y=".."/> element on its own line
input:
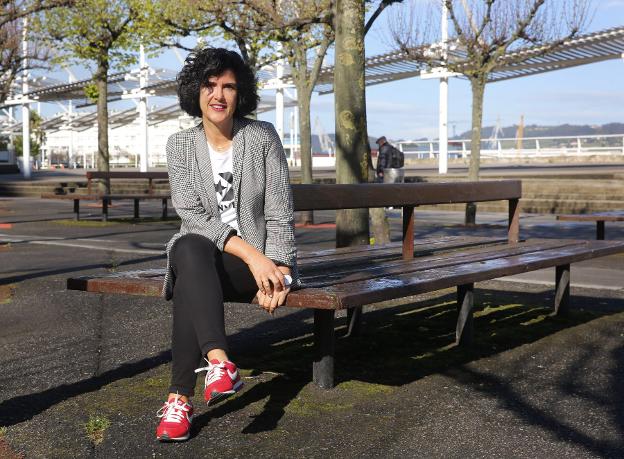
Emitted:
<point x="390" y="162"/>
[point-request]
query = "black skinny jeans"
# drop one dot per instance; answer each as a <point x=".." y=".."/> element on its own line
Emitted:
<point x="205" y="277"/>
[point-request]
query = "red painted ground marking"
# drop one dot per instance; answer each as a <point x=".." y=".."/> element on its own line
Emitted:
<point x="99" y="206"/>
<point x="6" y="293"/>
<point x="316" y="226"/>
<point x="6" y="225"/>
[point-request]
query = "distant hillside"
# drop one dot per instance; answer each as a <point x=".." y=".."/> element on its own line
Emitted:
<point x="534" y="130"/>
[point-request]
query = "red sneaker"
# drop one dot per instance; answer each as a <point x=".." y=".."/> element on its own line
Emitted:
<point x="222" y="380"/>
<point x="175" y="423"/>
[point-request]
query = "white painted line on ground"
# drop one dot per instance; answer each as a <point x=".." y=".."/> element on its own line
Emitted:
<point x="97" y="247"/>
<point x="26" y="237"/>
<point x="65" y="242"/>
<point x="34" y="237"/>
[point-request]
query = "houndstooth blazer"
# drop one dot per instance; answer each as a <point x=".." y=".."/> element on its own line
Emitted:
<point x="262" y="194"/>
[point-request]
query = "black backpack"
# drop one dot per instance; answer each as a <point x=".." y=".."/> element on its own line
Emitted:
<point x="397" y="158"/>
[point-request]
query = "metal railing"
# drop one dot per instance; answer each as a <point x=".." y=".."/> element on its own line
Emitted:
<point x="527" y="147"/>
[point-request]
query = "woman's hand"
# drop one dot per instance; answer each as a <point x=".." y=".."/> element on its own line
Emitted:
<point x="272" y="289"/>
<point x="270" y="302"/>
<point x="269" y="278"/>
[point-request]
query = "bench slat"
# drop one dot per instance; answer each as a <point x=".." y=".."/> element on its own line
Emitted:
<point x="126" y="175"/>
<point x="345" y="274"/>
<point x="421" y="248"/>
<point x="384" y="288"/>
<point x="367" y="195"/>
<point x="304" y="254"/>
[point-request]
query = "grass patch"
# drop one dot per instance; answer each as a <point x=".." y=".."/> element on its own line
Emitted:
<point x="3" y="431"/>
<point x="302" y="406"/>
<point x="114" y="264"/>
<point x="95" y="428"/>
<point x="363" y="388"/>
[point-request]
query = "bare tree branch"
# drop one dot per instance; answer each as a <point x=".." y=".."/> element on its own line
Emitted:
<point x="382" y="6"/>
<point x="504" y="27"/>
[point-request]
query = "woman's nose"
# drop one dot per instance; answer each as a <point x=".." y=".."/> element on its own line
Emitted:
<point x="218" y="92"/>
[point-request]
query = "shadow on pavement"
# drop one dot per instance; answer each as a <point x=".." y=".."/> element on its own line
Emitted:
<point x="8" y="279"/>
<point x="398" y="345"/>
<point x="23" y="408"/>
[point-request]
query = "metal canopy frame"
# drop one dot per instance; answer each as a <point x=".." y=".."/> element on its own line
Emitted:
<point x="383" y="68"/>
<point x="586" y="49"/>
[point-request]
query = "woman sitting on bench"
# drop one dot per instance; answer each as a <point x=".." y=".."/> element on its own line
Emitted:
<point x="230" y="186"/>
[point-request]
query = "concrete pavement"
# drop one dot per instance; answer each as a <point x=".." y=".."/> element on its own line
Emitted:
<point x="533" y="385"/>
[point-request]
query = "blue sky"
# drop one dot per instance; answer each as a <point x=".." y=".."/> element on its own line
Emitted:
<point x="408" y="109"/>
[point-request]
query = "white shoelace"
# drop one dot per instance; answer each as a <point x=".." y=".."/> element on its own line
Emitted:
<point x="214" y="372"/>
<point x="172" y="411"/>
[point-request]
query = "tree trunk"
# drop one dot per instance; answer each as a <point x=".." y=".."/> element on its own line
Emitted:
<point x="101" y="81"/>
<point x="478" y="90"/>
<point x="305" y="134"/>
<point x="352" y="148"/>
<point x="378" y="218"/>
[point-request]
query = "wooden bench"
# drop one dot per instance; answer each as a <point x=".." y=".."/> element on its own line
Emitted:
<point x="107" y="199"/>
<point x="349" y="278"/>
<point x="599" y="217"/>
<point x="107" y="176"/>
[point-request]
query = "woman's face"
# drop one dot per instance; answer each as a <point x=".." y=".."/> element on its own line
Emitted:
<point x="217" y="99"/>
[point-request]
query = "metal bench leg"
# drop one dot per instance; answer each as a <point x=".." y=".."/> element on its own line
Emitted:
<point x="164" y="209"/>
<point x="562" y="289"/>
<point x="76" y="209"/>
<point x="323" y="366"/>
<point x="104" y="210"/>
<point x="354" y="321"/>
<point x="465" y="303"/>
<point x="600" y="230"/>
<point x="136" y="208"/>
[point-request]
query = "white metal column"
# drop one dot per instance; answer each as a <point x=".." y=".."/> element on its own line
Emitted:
<point x="70" y="114"/>
<point x="25" y="105"/>
<point x="11" y="145"/>
<point x="279" y="100"/>
<point x="297" y="143"/>
<point x="443" y="113"/>
<point x="143" y="111"/>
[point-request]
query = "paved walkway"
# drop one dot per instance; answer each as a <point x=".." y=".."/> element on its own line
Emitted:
<point x="532" y="386"/>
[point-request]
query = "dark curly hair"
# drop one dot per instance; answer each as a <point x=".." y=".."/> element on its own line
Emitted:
<point x="199" y="66"/>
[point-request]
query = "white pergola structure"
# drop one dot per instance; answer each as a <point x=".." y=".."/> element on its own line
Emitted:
<point x="147" y="82"/>
<point x="586" y="49"/>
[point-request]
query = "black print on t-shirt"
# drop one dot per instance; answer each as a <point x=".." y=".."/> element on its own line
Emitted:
<point x="225" y="191"/>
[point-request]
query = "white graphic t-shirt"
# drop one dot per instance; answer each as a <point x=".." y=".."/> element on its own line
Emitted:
<point x="223" y="185"/>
